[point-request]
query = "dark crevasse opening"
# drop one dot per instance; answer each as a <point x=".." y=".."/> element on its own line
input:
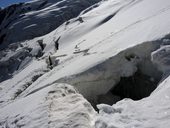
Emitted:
<point x="135" y="87"/>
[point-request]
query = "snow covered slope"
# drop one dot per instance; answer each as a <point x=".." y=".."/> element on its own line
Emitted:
<point x="31" y="19"/>
<point x="113" y="50"/>
<point x="25" y="21"/>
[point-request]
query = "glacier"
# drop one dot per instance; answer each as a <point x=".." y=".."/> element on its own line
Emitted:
<point x="106" y="66"/>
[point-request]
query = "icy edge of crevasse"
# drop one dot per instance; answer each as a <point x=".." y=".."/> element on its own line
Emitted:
<point x="152" y="111"/>
<point x="100" y="79"/>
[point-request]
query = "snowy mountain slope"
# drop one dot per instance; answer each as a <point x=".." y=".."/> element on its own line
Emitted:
<point x="118" y="49"/>
<point x="113" y="41"/>
<point x="31" y="19"/>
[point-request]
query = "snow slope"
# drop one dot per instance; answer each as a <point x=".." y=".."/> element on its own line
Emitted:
<point x="107" y="42"/>
<point x="25" y="21"/>
<point x="31" y="19"/>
